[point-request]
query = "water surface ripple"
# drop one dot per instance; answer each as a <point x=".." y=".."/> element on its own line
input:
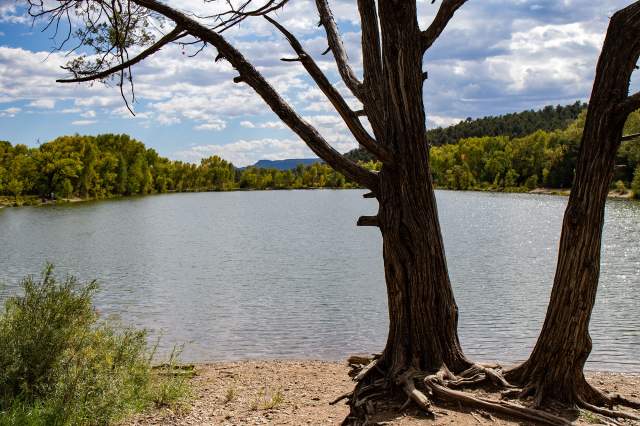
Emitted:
<point x="286" y="274"/>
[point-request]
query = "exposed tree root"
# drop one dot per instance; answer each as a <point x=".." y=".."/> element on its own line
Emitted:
<point x="584" y="396"/>
<point x="406" y="380"/>
<point x="479" y="374"/>
<point x="617" y="399"/>
<point x="374" y="388"/>
<point x="606" y="412"/>
<point x="501" y="407"/>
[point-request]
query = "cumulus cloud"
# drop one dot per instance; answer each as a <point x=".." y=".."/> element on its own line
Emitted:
<point x="83" y="122"/>
<point x="264" y="125"/>
<point x="10" y="112"/>
<point x="247" y="152"/>
<point x="9" y="13"/>
<point x="494" y="57"/>
<point x="212" y="124"/>
<point x="43" y="103"/>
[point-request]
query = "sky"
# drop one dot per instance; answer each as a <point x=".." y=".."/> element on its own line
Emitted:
<point x="495" y="57"/>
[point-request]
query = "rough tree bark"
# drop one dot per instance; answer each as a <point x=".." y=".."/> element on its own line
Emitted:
<point x="554" y="371"/>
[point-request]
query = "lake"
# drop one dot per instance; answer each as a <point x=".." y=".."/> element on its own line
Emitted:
<point x="287" y="274"/>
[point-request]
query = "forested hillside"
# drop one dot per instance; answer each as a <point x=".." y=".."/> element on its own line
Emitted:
<point x="541" y="159"/>
<point x="513" y="125"/>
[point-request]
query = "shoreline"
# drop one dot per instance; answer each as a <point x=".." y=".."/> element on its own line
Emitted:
<point x="299" y="392"/>
<point x="35" y="201"/>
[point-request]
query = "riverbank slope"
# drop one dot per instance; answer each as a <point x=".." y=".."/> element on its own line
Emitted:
<point x="299" y="393"/>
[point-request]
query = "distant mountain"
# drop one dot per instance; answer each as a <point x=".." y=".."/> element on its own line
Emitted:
<point x="288" y="164"/>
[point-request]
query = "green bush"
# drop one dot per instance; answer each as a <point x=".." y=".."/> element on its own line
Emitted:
<point x="61" y="365"/>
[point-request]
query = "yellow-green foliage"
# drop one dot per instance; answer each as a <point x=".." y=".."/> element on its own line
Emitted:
<point x="540" y="159"/>
<point x="61" y="365"/>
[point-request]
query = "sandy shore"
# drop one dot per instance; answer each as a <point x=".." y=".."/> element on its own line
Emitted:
<point x="299" y="392"/>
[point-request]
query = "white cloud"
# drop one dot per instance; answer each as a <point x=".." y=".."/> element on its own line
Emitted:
<point x="247" y="152"/>
<point x="263" y="125"/>
<point x="212" y="125"/>
<point x="9" y="13"/>
<point x="440" y="121"/>
<point x="88" y="114"/>
<point x="43" y="103"/>
<point x="10" y="112"/>
<point x="166" y="120"/>
<point x="83" y="122"/>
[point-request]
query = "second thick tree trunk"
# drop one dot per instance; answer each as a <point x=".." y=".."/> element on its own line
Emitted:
<point x="554" y="371"/>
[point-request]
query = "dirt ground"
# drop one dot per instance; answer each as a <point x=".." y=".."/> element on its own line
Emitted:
<point x="299" y="392"/>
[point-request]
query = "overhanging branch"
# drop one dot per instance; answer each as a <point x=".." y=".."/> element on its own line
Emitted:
<point x="337" y="47"/>
<point x="349" y="116"/>
<point x="173" y="35"/>
<point x="257" y="82"/>
<point x="444" y="15"/>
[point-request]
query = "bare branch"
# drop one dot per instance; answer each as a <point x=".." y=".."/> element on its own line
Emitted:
<point x="174" y="35"/>
<point x="282" y="109"/>
<point x="444" y="15"/>
<point x="349" y="116"/>
<point x="373" y="96"/>
<point x="337" y="47"/>
<point x="371" y="51"/>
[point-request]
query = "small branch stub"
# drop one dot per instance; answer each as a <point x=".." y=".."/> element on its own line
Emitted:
<point x="630" y="137"/>
<point x="368" y="221"/>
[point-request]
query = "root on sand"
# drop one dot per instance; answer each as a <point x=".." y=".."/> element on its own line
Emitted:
<point x="378" y="391"/>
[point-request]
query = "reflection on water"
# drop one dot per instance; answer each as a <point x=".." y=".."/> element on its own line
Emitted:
<point x="286" y="274"/>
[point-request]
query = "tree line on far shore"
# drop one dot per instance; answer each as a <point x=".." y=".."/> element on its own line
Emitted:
<point x="112" y="165"/>
<point x="541" y="159"/>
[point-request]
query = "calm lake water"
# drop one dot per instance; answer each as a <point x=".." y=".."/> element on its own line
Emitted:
<point x="286" y="274"/>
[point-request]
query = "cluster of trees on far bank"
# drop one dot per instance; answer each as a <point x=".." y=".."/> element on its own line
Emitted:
<point x="540" y="159"/>
<point x="114" y="165"/>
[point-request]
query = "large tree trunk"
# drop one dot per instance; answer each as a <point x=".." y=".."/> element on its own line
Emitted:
<point x="423" y="314"/>
<point x="554" y="371"/>
<point x="422" y="311"/>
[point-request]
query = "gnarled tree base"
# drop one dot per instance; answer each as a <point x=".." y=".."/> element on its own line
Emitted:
<point x="577" y="393"/>
<point x="376" y="391"/>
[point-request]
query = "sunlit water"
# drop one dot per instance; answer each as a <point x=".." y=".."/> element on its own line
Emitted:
<point x="286" y="274"/>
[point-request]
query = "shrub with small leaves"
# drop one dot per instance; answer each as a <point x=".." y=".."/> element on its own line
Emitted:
<point x="61" y="365"/>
